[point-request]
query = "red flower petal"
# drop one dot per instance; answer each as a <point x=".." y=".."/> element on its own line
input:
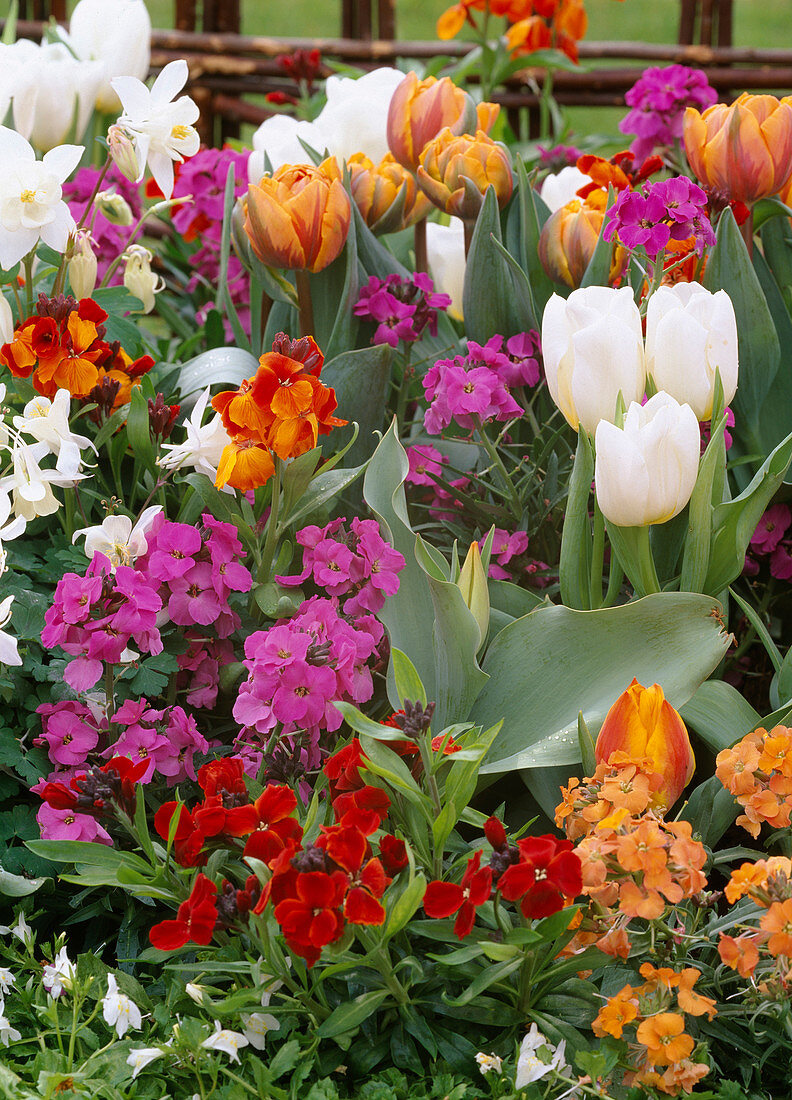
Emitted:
<point x="361" y="908"/>
<point x="442" y="899"/>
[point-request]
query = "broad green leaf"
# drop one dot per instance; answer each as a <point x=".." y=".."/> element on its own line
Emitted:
<point x="351" y="1014"/>
<point x="17" y="886"/>
<point x="218" y="365"/>
<point x="322" y="489"/>
<point x="408" y="682"/>
<point x="719" y="714"/>
<point x="710" y="809"/>
<point x="360" y="380"/>
<point x="406" y="905"/>
<point x="138" y="430"/>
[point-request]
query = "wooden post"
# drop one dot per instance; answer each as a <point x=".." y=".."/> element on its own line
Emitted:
<point x="687" y="22"/>
<point x="386" y="27"/>
<point x="725" y="22"/>
<point x="705" y="26"/>
<point x="186" y="16"/>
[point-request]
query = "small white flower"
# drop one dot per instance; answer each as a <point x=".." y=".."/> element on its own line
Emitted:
<point x="7" y="979"/>
<point x="257" y="1027"/>
<point x="30" y="485"/>
<point x="140" y="1058"/>
<point x="117" y="539"/>
<point x="48" y="422"/>
<point x="196" y="992"/>
<point x="531" y="1068"/>
<point x="120" y="1011"/>
<point x="204" y="444"/>
<point x="7" y="1033"/>
<point x="59" y="974"/>
<point x="489" y="1063"/>
<point x="21" y="930"/>
<point x="139" y="279"/>
<point x="161" y="129"/>
<point x="227" y="1041"/>
<point x="8" y="643"/>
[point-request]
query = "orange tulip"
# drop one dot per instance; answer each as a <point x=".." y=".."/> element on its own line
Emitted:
<point x="420" y="109"/>
<point x="299" y="218"/>
<point x="455" y="172"/>
<point x="567" y="243"/>
<point x="386" y="194"/>
<point x="643" y="724"/>
<point x="742" y="150"/>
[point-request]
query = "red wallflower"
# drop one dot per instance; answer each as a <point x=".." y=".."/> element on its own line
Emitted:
<point x="349" y="849"/>
<point x="195" y="920"/>
<point x="365" y="809"/>
<point x="444" y="898"/>
<point x="393" y="853"/>
<point x="548" y="872"/>
<point x="224" y="775"/>
<point x="268" y="821"/>
<point x="343" y="768"/>
<point x="188" y="839"/>
<point x="313" y="918"/>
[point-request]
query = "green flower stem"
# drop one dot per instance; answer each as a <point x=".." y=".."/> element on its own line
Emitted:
<point x="544" y="105"/>
<point x="597" y="557"/>
<point x="381" y="959"/>
<point x="272" y="1092"/>
<point x="645" y="561"/>
<point x="515" y="506"/>
<point x="615" y="579"/>
<point x="657" y="278"/>
<point x="305" y="308"/>
<point x="404" y="388"/>
<point x="109" y="685"/>
<point x="27" y="263"/>
<point x="271" y="538"/>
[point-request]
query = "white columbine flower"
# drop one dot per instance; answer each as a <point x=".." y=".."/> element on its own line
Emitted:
<point x="7" y="979"/>
<point x="117" y="539"/>
<point x="48" y="422"/>
<point x="140" y="1058"/>
<point x="7" y="1033"/>
<point x="227" y="1041"/>
<point x="59" y="974"/>
<point x="120" y="1011"/>
<point x="489" y="1063"/>
<point x="257" y="1027"/>
<point x="21" y="930"/>
<point x="162" y="130"/>
<point x="204" y="444"/>
<point x="530" y="1068"/>
<point x="31" y="197"/>
<point x="8" y="643"/>
<point x="30" y="485"/>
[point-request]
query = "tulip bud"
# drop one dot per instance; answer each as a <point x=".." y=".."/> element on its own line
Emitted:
<point x="472" y="584"/>
<point x="568" y="240"/>
<point x="139" y="279"/>
<point x="114" y="207"/>
<point x="690" y="335"/>
<point x="420" y="109"/>
<point x="455" y="172"/>
<point x="592" y="343"/>
<point x="122" y="150"/>
<point x="386" y="194"/>
<point x="645" y="472"/>
<point x="299" y="217"/>
<point x="742" y="150"/>
<point x="82" y="266"/>
<point x="643" y="724"/>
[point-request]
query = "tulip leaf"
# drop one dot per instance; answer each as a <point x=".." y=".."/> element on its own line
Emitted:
<point x="710" y="809"/>
<point x="548" y="667"/>
<point x="334" y="292"/>
<point x="375" y="259"/>
<point x="527" y="214"/>
<point x="597" y="272"/>
<point x="719" y="714"/>
<point x="775" y="279"/>
<point x="575" y="564"/>
<point x="360" y="379"/>
<point x="729" y="268"/>
<point x="226" y="365"/>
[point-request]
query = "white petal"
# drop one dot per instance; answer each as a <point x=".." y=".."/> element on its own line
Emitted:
<point x="169" y="82"/>
<point x="63" y="159"/>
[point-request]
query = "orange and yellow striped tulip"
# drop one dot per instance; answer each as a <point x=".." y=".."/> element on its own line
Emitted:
<point x="567" y="243"/>
<point x="455" y="172"/>
<point x="299" y="217"/>
<point x="386" y="194"/>
<point x="742" y="150"/>
<point x="643" y="724"/>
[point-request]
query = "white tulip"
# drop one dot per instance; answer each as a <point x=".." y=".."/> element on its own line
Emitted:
<point x="355" y="118"/>
<point x="690" y="334"/>
<point x="279" y="137"/>
<point x="445" y="254"/>
<point x="592" y="345"/>
<point x="53" y="92"/>
<point x="31" y="197"/>
<point x="645" y="472"/>
<point x="117" y="33"/>
<point x="559" y="188"/>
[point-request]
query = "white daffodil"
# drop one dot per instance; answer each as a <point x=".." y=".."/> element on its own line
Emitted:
<point x="59" y="974"/>
<point x="8" y="643"/>
<point x="20" y="931"/>
<point x="489" y="1063"/>
<point x="257" y="1026"/>
<point x="120" y="1011"/>
<point x="7" y="1033"/>
<point x="142" y="1057"/>
<point x="162" y="130"/>
<point x="48" y="422"/>
<point x="7" y="979"/>
<point x="204" y="443"/>
<point x="31" y="197"/>
<point x="117" y="539"/>
<point x="227" y="1041"/>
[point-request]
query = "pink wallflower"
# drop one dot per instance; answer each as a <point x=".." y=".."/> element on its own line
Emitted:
<point x="658" y="100"/>
<point x="70" y="825"/>
<point x="672" y="209"/>
<point x="505" y="546"/>
<point x="469" y="388"/>
<point x="781" y="562"/>
<point x="771" y="529"/>
<point x="402" y="308"/>
<point x="560" y="156"/>
<point x="69" y="731"/>
<point x="200" y="668"/>
<point x="424" y="459"/>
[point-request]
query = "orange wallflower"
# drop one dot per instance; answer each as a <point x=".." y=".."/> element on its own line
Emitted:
<point x="758" y="772"/>
<point x="664" y="1037"/>
<point x="777" y="752"/>
<point x="740" y="953"/>
<point x="685" y="1075"/>
<point x="778" y="922"/>
<point x="616" y="1013"/>
<point x="735" y="767"/>
<point x="694" y="1004"/>
<point x="244" y="465"/>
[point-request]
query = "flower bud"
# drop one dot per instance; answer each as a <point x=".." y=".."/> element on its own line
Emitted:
<point x="644" y="725"/>
<point x="239" y="238"/>
<point x="568" y="240"/>
<point x="690" y="334"/>
<point x="139" y="279"/>
<point x="114" y="207"/>
<point x="455" y="172"/>
<point x="645" y="472"/>
<point x="82" y="266"/>
<point x="386" y="194"/>
<point x="742" y="150"/>
<point x="472" y="584"/>
<point x="299" y="217"/>
<point x="420" y="109"/>
<point x="592" y="343"/>
<point x="122" y="150"/>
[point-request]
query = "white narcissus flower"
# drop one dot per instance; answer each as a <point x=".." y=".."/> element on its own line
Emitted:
<point x="227" y="1041"/>
<point x="592" y="344"/>
<point x="59" y="974"/>
<point x="445" y="254"/>
<point x="47" y="421"/>
<point x="645" y="472"/>
<point x="204" y="443"/>
<point x="142" y="1057"/>
<point x="8" y="643"/>
<point x="279" y="137"/>
<point x="120" y="1011"/>
<point x="161" y="129"/>
<point x="116" y="33"/>
<point x="559" y="188"/>
<point x="690" y="334"/>
<point x="31" y="197"/>
<point x="257" y="1026"/>
<point x="20" y="931"/>
<point x="355" y="117"/>
<point x="489" y="1063"/>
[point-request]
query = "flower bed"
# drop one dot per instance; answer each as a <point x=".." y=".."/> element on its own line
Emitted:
<point x="395" y="539"/>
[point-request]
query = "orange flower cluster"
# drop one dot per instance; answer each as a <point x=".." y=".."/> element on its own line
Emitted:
<point x="768" y="882"/>
<point x="758" y="772"/>
<point x="280" y="412"/>
<point x="63" y="347"/>
<point x="656" y="1011"/>
<point x="620" y="783"/>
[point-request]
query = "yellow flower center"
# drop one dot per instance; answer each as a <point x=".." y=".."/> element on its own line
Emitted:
<point x="28" y="195"/>
<point x="180" y="132"/>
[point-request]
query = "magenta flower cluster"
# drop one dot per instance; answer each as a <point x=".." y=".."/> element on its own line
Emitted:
<point x="299" y="668"/>
<point x="402" y="308"/>
<point x="658" y="100"/>
<point x="108" y="240"/>
<point x="560" y="156"/>
<point x="473" y="388"/>
<point x="672" y="209"/>
<point x="351" y="561"/>
<point x="769" y="541"/>
<point x="505" y="546"/>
